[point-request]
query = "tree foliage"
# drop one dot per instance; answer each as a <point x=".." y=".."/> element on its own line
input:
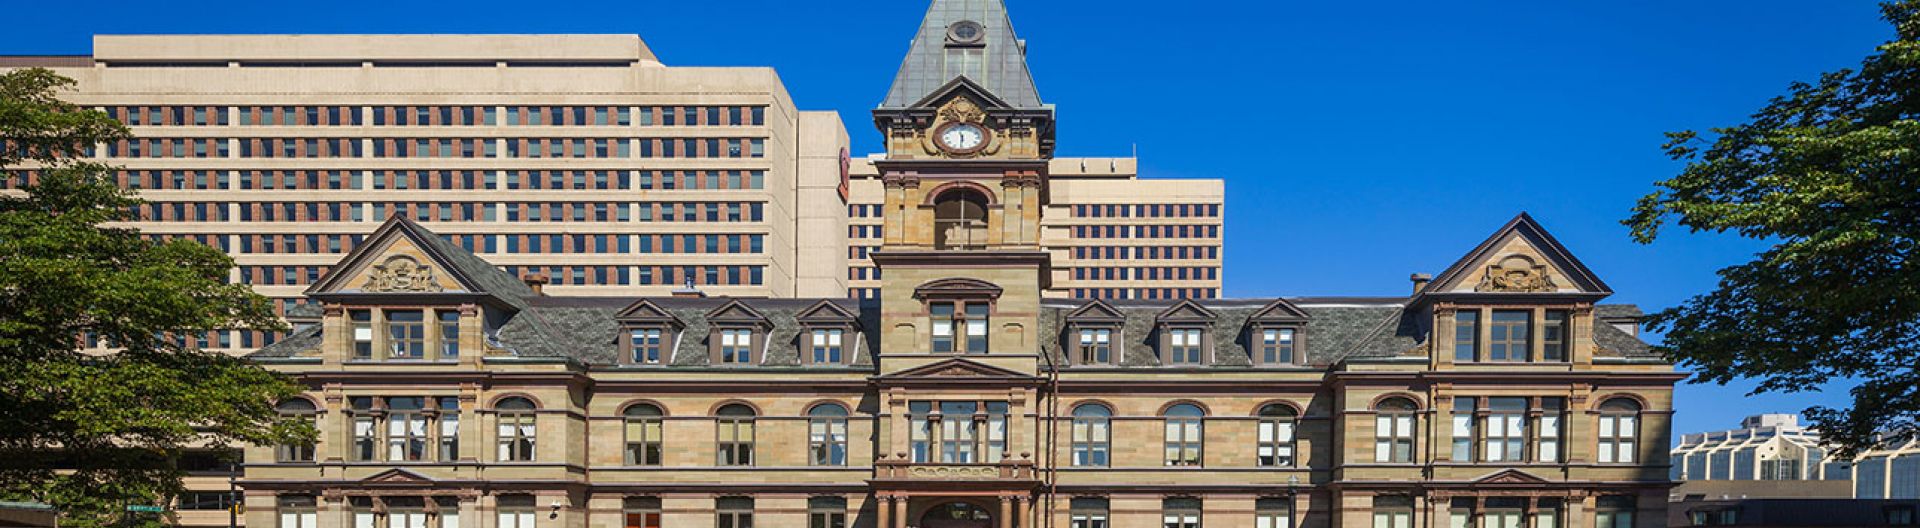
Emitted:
<point x="92" y="433"/>
<point x="1829" y="174"/>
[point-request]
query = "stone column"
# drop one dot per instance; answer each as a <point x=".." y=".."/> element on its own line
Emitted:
<point x="883" y="511"/>
<point x="1005" y="519"/>
<point x="900" y="511"/>
<point x="1025" y="508"/>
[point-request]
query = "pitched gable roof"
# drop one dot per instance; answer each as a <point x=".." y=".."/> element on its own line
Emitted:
<point x="1186" y="311"/>
<point x="1096" y="311"/>
<point x="735" y="311"/>
<point x="1479" y="265"/>
<point x="826" y="311"/>
<point x="1280" y="310"/>
<point x="473" y="274"/>
<point x="645" y="311"/>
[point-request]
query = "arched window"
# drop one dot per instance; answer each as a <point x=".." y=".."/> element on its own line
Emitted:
<point x="1393" y="430"/>
<point x="1276" y="435"/>
<point x="1619" y="431"/>
<point x="960" y="220"/>
<point x="300" y="409"/>
<point x="1183" y="436"/>
<point x="1092" y="438"/>
<point x="735" y="435"/>
<point x="643" y="434"/>
<point x="516" y="428"/>
<point x="827" y="435"/>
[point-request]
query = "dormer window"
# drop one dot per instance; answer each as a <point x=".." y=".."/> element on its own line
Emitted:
<point x="1274" y="335"/>
<point x="739" y="333"/>
<point x="827" y="334"/>
<point x="1093" y="336"/>
<point x="649" y="335"/>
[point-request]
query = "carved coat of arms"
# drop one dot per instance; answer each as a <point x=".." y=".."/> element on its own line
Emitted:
<point x="401" y="273"/>
<point x="1517" y="274"/>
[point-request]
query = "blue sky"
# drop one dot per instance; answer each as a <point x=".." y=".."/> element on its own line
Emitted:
<point x="1360" y="141"/>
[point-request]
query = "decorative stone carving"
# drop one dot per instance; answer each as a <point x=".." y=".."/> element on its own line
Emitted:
<point x="963" y="110"/>
<point x="953" y="472"/>
<point x="401" y="273"/>
<point x="1517" y="273"/>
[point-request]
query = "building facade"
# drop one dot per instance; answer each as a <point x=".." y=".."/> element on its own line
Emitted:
<point x="960" y="390"/>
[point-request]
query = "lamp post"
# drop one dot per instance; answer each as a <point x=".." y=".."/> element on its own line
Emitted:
<point x="1293" y="503"/>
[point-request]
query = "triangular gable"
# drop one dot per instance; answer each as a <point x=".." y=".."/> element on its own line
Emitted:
<point x="645" y="311"/>
<point x="956" y="368"/>
<point x="826" y="311"/>
<point x="397" y="477"/>
<point x="1510" y="476"/>
<point x="961" y="87"/>
<point x="1521" y="257"/>
<point x="1279" y="311"/>
<point x="395" y="259"/>
<point x="737" y="312"/>
<point x="1096" y="311"/>
<point x="1185" y="311"/>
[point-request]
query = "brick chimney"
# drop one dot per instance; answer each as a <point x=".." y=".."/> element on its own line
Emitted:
<point x="1420" y="281"/>
<point x="536" y="281"/>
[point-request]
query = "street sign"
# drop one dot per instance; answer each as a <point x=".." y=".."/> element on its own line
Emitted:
<point x="145" y="508"/>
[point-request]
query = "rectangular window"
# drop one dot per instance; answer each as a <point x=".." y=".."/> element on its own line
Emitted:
<point x="735" y="440"/>
<point x="644" y="436"/>
<point x="827" y="512"/>
<point x="1466" y="336"/>
<point x="406" y="429"/>
<point x="1276" y="346"/>
<point x="1553" y="336"/>
<point x="362" y="321"/>
<point x="827" y="440"/>
<point x="645" y="344"/>
<point x="516" y="434"/>
<point x="1183" y="440"/>
<point x="1508" y="336"/>
<point x="827" y="348"/>
<point x="1506" y="431"/>
<point x="1273" y="513"/>
<point x="1392" y="511"/>
<point x="449" y="419"/>
<point x="515" y="511"/>
<point x="1088" y="513"/>
<point x="1183" y="346"/>
<point x="406" y="334"/>
<point x="1464" y="408"/>
<point x="298" y="511"/>
<point x="449" y="333"/>
<point x="1096" y="346"/>
<point x="1393" y="437"/>
<point x="736" y="346"/>
<point x="732" y="512"/>
<point x="1180" y="513"/>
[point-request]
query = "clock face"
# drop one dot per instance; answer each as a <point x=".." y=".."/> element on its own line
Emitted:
<point x="962" y="137"/>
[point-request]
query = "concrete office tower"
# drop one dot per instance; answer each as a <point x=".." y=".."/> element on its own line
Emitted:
<point x="580" y="158"/>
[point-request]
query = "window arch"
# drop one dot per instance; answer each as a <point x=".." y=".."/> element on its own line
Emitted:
<point x="517" y="431"/>
<point x="1619" y="430"/>
<point x="1394" y="429"/>
<point x="1092" y="434"/>
<point x="644" y="424"/>
<point x="1276" y="437"/>
<point x="827" y="434"/>
<point x="297" y="409"/>
<point x="1184" y="439"/>
<point x="734" y="423"/>
<point x="960" y="218"/>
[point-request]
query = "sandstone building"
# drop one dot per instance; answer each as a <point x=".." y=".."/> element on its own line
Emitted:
<point x="959" y="389"/>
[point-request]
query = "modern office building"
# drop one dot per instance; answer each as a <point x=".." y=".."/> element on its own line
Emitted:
<point x="956" y="389"/>
<point x="1765" y="447"/>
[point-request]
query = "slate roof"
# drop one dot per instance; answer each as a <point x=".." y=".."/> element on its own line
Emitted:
<point x="587" y="329"/>
<point x="1002" y="69"/>
<point x="304" y="338"/>
<point x="484" y="274"/>
<point x="1364" y="327"/>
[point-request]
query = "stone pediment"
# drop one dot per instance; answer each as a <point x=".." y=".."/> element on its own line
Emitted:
<point x="1279" y="311"/>
<point x="736" y="312"/>
<point x="827" y="312"/>
<point x="1521" y="257"/>
<point x="956" y="369"/>
<point x="1186" y="311"/>
<point x="1510" y="476"/>
<point x="1096" y="311"/>
<point x="645" y="311"/>
<point x="397" y="477"/>
<point x="395" y="259"/>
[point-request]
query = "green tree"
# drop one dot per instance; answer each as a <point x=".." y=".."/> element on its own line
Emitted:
<point x="1830" y="175"/>
<point x="92" y="433"/>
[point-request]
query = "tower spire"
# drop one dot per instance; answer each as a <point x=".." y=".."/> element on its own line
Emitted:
<point x="965" y="38"/>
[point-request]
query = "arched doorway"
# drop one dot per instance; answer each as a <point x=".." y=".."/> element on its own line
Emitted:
<point x="956" y="515"/>
<point x="960" y="219"/>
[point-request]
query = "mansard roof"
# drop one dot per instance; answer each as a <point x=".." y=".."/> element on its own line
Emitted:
<point x="587" y="329"/>
<point x="1001" y="69"/>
